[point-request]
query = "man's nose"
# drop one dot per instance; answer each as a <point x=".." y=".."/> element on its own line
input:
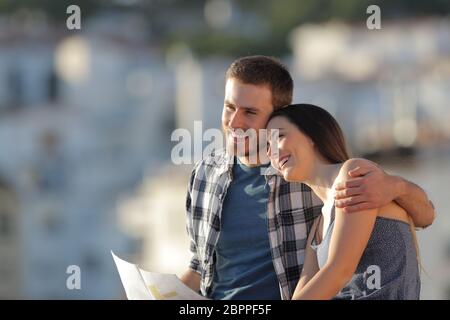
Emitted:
<point x="236" y="120"/>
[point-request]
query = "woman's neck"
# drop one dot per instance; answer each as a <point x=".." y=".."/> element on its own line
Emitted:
<point x="322" y="179"/>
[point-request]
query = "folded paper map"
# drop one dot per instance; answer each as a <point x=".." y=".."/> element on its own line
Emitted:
<point x="143" y="285"/>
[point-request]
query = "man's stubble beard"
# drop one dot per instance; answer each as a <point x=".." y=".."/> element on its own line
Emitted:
<point x="250" y="152"/>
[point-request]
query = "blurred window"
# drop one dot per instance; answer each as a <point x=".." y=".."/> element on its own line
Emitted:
<point x="5" y="271"/>
<point x="91" y="263"/>
<point x="5" y="224"/>
<point x="135" y="245"/>
<point x="53" y="87"/>
<point x="52" y="222"/>
<point x="447" y="250"/>
<point x="15" y="88"/>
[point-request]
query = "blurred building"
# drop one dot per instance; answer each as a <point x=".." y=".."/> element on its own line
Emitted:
<point x="154" y="213"/>
<point x="82" y="116"/>
<point x="10" y="245"/>
<point x="388" y="88"/>
<point x="85" y="132"/>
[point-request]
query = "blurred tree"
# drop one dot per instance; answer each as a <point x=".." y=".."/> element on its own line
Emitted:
<point x="284" y="15"/>
<point x="54" y="10"/>
<point x="171" y="21"/>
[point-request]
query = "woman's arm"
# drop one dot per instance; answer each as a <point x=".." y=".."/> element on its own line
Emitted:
<point x="310" y="266"/>
<point x="349" y="239"/>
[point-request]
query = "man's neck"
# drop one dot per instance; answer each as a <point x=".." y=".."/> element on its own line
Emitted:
<point x="254" y="161"/>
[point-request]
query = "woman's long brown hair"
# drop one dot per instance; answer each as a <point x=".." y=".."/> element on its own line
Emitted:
<point x="328" y="138"/>
<point x="320" y="127"/>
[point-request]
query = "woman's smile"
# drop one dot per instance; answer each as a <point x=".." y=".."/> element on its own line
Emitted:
<point x="283" y="160"/>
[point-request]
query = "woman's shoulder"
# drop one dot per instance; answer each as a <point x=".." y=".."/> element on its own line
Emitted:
<point x="356" y="162"/>
<point x="352" y="164"/>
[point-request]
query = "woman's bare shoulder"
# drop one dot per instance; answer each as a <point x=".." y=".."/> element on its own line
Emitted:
<point x="352" y="164"/>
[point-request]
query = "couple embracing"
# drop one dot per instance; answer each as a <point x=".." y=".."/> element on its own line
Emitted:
<point x="303" y="220"/>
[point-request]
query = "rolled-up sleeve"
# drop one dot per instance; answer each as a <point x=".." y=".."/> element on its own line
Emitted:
<point x="194" y="263"/>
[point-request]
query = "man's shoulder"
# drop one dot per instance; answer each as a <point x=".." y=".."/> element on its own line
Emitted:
<point x="215" y="160"/>
<point x="216" y="157"/>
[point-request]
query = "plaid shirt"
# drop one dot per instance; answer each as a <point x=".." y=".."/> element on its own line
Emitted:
<point x="292" y="208"/>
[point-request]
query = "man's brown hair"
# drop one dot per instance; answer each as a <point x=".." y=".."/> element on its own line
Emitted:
<point x="262" y="70"/>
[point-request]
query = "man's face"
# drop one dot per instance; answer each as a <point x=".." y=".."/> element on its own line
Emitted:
<point x="246" y="106"/>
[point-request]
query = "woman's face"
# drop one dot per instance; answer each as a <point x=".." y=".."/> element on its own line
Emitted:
<point x="292" y="153"/>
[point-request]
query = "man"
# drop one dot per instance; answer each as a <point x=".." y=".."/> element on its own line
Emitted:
<point x="248" y="231"/>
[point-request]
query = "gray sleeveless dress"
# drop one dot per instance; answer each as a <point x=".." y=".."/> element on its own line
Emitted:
<point x="388" y="269"/>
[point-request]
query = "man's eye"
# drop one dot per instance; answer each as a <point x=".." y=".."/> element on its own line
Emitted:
<point x="251" y="112"/>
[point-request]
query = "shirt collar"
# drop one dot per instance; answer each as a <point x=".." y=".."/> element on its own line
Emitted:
<point x="271" y="172"/>
<point x="226" y="164"/>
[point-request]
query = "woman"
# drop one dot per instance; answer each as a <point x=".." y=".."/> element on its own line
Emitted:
<point x="370" y="254"/>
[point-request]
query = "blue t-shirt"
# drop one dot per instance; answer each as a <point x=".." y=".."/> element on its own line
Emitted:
<point x="244" y="268"/>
